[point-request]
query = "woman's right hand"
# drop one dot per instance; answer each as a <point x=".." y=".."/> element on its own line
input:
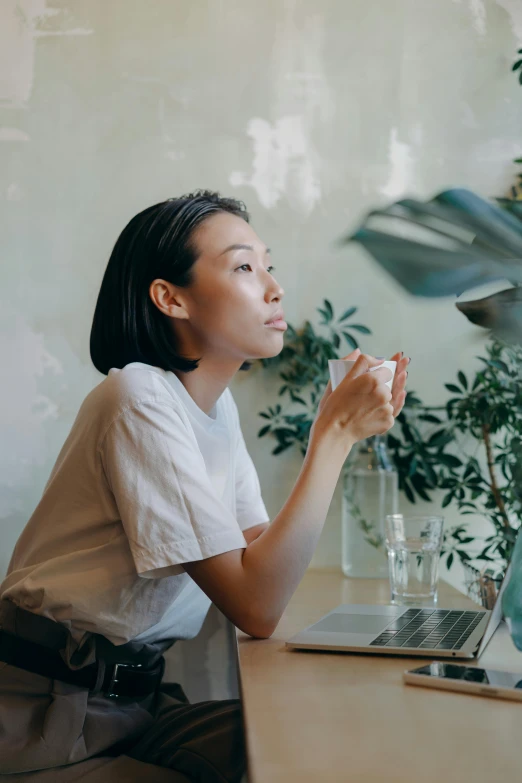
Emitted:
<point x="360" y="406"/>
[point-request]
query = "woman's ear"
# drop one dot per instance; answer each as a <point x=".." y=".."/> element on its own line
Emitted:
<point x="166" y="298"/>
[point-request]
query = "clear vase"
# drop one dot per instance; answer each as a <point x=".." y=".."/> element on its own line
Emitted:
<point x="370" y="492"/>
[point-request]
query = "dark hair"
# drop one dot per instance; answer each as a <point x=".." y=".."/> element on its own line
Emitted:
<point x="157" y="242"/>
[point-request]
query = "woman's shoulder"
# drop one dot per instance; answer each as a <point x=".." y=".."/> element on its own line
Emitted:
<point x="133" y="385"/>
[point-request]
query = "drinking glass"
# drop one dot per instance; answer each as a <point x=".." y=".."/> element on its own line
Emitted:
<point x="413" y="545"/>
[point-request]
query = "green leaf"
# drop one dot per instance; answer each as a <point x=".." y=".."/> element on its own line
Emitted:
<point x="450" y="460"/>
<point x="499" y="365"/>
<point x="470" y="468"/>
<point x="336" y="340"/>
<point x="501" y="311"/>
<point x="265" y="416"/>
<point x="413" y="467"/>
<point x="296" y="398"/>
<point x="452" y="388"/>
<point x="440" y="438"/>
<point x="430" y="418"/>
<point x="447" y="245"/>
<point x="329" y="309"/>
<point x="430" y="473"/>
<point x="408" y="491"/>
<point x="516" y="65"/>
<point x="348" y="313"/>
<point x="263" y="431"/>
<point x="449" y="561"/>
<point x="323" y="313"/>
<point x="282" y="447"/>
<point x="419" y="484"/>
<point x="447" y="499"/>
<point x="360" y="328"/>
<point x="463" y="380"/>
<point x="424" y="270"/>
<point x="284" y="432"/>
<point x="350" y="340"/>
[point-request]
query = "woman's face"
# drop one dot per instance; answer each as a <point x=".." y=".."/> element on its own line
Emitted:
<point x="234" y="294"/>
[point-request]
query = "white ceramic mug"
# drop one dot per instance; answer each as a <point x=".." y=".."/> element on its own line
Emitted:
<point x="339" y="368"/>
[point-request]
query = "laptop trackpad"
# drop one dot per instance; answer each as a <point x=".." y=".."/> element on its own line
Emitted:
<point x="353" y="623"/>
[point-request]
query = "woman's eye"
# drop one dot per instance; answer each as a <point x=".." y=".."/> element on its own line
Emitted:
<point x="271" y="268"/>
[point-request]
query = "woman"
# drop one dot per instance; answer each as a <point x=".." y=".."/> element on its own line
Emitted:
<point x="153" y="510"/>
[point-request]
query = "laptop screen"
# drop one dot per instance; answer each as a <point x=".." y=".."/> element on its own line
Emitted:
<point x="496" y="615"/>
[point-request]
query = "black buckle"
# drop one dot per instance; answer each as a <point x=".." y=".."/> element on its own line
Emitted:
<point x="126" y="680"/>
<point x="111" y="691"/>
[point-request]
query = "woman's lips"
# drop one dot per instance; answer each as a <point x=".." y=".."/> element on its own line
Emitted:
<point x="280" y="324"/>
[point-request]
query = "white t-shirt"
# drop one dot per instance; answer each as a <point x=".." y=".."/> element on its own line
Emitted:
<point x="144" y="482"/>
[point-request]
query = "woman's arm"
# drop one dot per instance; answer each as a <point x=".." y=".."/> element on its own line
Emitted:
<point x="252" y="586"/>
<point x="254" y="532"/>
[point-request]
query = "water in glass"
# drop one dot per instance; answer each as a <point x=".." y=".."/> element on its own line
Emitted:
<point x="414" y="570"/>
<point x="413" y="545"/>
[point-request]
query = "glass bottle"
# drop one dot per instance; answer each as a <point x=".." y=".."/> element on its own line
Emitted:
<point x="370" y="491"/>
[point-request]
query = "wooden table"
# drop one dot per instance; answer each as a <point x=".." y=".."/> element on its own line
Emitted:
<point x="315" y="717"/>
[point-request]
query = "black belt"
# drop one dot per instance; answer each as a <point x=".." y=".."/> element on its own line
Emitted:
<point x="111" y="679"/>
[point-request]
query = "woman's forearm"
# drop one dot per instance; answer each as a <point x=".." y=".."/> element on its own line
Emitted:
<point x="275" y="562"/>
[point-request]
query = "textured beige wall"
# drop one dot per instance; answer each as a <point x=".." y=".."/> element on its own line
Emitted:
<point x="308" y="111"/>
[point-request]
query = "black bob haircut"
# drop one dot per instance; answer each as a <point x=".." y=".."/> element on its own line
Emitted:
<point x="157" y="243"/>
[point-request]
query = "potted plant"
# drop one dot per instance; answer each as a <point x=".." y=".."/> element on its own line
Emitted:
<point x="470" y="446"/>
<point x="445" y="247"/>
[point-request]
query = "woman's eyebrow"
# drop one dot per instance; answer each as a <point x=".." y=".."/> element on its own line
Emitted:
<point x="241" y="247"/>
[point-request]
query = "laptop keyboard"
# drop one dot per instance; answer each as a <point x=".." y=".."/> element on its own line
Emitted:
<point x="440" y="629"/>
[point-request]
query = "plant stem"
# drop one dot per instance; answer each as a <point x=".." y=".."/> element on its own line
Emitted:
<point x="494" y="486"/>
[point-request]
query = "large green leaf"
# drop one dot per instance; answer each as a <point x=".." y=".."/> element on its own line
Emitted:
<point x="457" y="213"/>
<point x="493" y="226"/>
<point x="424" y="270"/>
<point x="509" y="204"/>
<point x="501" y="311"/>
<point x="453" y="243"/>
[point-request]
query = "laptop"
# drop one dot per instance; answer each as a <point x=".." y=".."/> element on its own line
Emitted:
<point x="403" y="630"/>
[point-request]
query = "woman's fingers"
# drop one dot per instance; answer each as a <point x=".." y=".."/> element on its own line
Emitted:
<point x="353" y="355"/>
<point x="399" y="383"/>
<point x="398" y="403"/>
<point x="402" y="364"/>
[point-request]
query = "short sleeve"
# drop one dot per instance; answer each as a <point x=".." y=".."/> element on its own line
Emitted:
<point x="250" y="508"/>
<point x="169" y="509"/>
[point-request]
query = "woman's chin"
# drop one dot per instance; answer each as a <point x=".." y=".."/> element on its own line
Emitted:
<point x="266" y="354"/>
<point x="273" y="353"/>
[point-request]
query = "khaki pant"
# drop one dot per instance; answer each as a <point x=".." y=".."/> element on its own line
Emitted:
<point x="54" y="732"/>
<point x="50" y="725"/>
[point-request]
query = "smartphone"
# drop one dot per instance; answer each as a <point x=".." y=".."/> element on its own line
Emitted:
<point x="469" y="679"/>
